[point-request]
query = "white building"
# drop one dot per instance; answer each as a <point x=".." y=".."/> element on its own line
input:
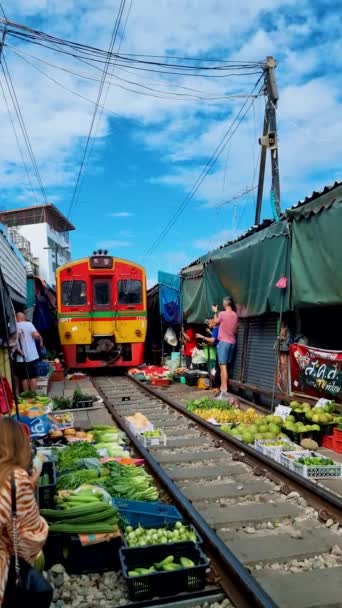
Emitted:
<point x="46" y="230"/>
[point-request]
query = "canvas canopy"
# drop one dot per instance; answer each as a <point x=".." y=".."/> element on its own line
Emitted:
<point x="247" y="270"/>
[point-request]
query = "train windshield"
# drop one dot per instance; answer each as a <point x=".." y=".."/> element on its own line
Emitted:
<point x="102" y="291"/>
<point x="74" y="293"/>
<point x="130" y="291"/>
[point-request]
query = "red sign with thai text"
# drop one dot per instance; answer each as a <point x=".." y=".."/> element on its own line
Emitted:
<point x="316" y="372"/>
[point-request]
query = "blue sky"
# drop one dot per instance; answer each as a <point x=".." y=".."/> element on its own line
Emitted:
<point x="147" y="157"/>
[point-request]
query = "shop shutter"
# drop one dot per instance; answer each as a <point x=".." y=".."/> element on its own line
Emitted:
<point x="237" y="365"/>
<point x="261" y="354"/>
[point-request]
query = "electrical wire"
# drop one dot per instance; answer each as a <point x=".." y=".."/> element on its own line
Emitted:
<point x="208" y="166"/>
<point x="168" y="95"/>
<point x="21" y="121"/>
<point x="105" y="72"/>
<point x="18" y="144"/>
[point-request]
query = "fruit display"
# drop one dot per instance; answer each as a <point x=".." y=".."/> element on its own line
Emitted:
<point x="230" y="416"/>
<point x="204" y="403"/>
<point x="317" y="461"/>
<point x="319" y="415"/>
<point x="150" y="434"/>
<point x="262" y="427"/>
<point x="141" y="537"/>
<point x="290" y="424"/>
<point x="167" y="565"/>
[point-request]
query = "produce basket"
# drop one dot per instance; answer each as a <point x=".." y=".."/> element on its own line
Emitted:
<point x="137" y="512"/>
<point x="264" y="446"/>
<point x="331" y="471"/>
<point x="83" y="403"/>
<point x="99" y="557"/>
<point x="46" y="492"/>
<point x="159" y="381"/>
<point x="170" y="527"/>
<point x="163" y="583"/>
<point x="152" y="441"/>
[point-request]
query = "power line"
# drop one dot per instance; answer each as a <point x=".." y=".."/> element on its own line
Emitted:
<point x="208" y="166"/>
<point x="18" y="144"/>
<point x="105" y="72"/>
<point x="160" y="94"/>
<point x="21" y="121"/>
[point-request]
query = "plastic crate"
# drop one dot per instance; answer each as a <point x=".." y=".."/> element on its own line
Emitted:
<point x="287" y="461"/>
<point x="100" y="557"/>
<point x="328" y="442"/>
<point x="152" y="441"/>
<point x="159" y="381"/>
<point x="333" y="471"/>
<point x="159" y="584"/>
<point x="54" y="549"/>
<point x="42" y="368"/>
<point x="82" y="404"/>
<point x="137" y="512"/>
<point x="57" y="375"/>
<point x="274" y="452"/>
<point x="46" y="494"/>
<point x="170" y="526"/>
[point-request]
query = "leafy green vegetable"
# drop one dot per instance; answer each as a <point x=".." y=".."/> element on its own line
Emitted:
<point x="128" y="481"/>
<point x="61" y="403"/>
<point x="73" y="480"/>
<point x="75" y="451"/>
<point x="204" y="403"/>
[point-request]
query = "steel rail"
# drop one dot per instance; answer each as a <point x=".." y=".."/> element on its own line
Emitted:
<point x="242" y="589"/>
<point x="329" y="505"/>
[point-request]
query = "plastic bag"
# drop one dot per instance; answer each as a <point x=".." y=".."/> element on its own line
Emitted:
<point x="170" y="337"/>
<point x="198" y="356"/>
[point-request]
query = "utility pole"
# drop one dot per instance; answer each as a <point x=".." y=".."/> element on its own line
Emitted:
<point x="269" y="139"/>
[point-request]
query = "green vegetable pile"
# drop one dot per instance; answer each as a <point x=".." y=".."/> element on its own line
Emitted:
<point x="79" y="396"/>
<point x="75" y="451"/>
<point x="61" y="403"/>
<point x="319" y="461"/>
<point x="204" y="403"/>
<point x="44" y="480"/>
<point x="167" y="565"/>
<point x="155" y="433"/>
<point x="82" y="513"/>
<point x="74" y="479"/>
<point x="128" y="481"/>
<point x="140" y="537"/>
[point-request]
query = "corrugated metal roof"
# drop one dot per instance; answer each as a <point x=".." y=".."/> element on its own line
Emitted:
<point x="267" y="222"/>
<point x="13" y="267"/>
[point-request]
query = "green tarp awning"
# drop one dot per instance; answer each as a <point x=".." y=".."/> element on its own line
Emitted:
<point x="316" y="253"/>
<point x="247" y="270"/>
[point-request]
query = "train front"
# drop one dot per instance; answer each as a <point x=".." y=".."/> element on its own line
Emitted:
<point x="102" y="315"/>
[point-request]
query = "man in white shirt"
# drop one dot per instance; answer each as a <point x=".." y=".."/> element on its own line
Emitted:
<point x="27" y="353"/>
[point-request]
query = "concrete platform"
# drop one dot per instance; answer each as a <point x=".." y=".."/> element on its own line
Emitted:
<point x="239" y="515"/>
<point x="315" y="589"/>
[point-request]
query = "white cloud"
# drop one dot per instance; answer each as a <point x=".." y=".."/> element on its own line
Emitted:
<point x="184" y="132"/>
<point x="121" y="214"/>
<point x="151" y="283"/>
<point x="113" y="243"/>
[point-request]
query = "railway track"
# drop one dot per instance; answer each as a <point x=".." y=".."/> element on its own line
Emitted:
<point x="274" y="538"/>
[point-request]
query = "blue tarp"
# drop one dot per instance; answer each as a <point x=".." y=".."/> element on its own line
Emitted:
<point x="170" y="297"/>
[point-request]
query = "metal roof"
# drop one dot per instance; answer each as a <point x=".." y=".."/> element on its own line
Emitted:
<point x="37" y="214"/>
<point x="268" y="222"/>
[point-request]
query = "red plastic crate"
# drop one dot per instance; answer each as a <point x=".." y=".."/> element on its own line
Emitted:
<point x="328" y="442"/>
<point x="337" y="434"/>
<point x="337" y="447"/>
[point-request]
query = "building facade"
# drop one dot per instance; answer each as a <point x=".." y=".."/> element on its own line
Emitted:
<point x="42" y="234"/>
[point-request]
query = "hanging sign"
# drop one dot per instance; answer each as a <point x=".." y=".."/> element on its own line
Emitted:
<point x="316" y="372"/>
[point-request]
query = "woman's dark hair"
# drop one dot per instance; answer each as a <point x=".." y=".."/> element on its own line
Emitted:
<point x="228" y="301"/>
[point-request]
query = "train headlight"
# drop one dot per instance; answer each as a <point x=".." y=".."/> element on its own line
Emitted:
<point x="67" y="334"/>
<point x="138" y="333"/>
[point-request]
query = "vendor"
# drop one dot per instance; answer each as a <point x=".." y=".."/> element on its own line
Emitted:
<point x="189" y="339"/>
<point x="212" y="339"/>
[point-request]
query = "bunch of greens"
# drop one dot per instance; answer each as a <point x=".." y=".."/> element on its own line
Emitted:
<point x="74" y="479"/>
<point x="140" y="537"/>
<point x="128" y="481"/>
<point x="320" y="461"/>
<point x="204" y="403"/>
<point x="79" y="396"/>
<point x="61" y="403"/>
<point x="68" y="455"/>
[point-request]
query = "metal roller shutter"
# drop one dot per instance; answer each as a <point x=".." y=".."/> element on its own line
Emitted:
<point x="261" y="354"/>
<point x="237" y="364"/>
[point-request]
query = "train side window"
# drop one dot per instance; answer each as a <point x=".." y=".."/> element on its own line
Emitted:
<point x="130" y="291"/>
<point x="102" y="293"/>
<point x="74" y="293"/>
